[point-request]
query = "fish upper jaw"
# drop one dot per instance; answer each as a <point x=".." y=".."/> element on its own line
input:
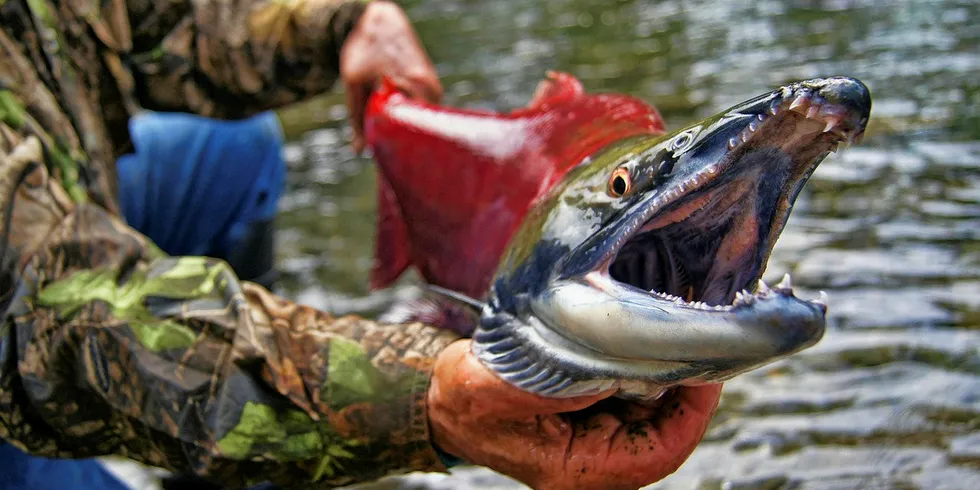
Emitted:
<point x="703" y="235"/>
<point x="773" y="143"/>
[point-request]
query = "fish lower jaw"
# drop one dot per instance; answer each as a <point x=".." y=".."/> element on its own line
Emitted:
<point x="535" y="356"/>
<point x="540" y="361"/>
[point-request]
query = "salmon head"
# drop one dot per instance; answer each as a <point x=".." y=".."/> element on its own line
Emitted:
<point x="620" y="257"/>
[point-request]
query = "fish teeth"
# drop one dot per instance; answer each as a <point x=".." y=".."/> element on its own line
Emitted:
<point x="762" y="289"/>
<point x="821" y="301"/>
<point x="812" y="112"/>
<point x="786" y="284"/>
<point x="693" y="304"/>
<point x="668" y="297"/>
<point x="743" y="297"/>
<point x="832" y="123"/>
<point x="798" y="101"/>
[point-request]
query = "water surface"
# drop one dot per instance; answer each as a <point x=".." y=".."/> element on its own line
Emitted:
<point x="890" y="398"/>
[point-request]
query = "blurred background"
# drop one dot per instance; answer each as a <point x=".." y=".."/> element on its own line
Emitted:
<point x="890" y="398"/>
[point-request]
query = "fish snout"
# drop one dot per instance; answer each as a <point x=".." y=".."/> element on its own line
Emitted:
<point x="843" y="103"/>
<point x="847" y="92"/>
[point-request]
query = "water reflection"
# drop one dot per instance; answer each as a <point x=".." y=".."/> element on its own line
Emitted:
<point x="891" y="397"/>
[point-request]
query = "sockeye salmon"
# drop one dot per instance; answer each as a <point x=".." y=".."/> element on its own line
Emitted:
<point x="600" y="251"/>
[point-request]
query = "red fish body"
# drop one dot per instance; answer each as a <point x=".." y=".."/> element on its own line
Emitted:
<point x="454" y="184"/>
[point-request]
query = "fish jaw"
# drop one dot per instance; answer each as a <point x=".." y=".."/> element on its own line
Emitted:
<point x="660" y="286"/>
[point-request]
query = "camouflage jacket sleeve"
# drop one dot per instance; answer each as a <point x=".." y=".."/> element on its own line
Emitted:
<point x="108" y="346"/>
<point x="228" y="59"/>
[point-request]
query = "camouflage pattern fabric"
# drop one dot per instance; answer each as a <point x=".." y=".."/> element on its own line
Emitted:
<point x="107" y="345"/>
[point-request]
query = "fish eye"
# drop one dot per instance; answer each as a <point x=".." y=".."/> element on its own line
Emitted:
<point x="620" y="182"/>
<point x="682" y="141"/>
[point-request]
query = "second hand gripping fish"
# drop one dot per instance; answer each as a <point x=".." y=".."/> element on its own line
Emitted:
<point x="601" y="252"/>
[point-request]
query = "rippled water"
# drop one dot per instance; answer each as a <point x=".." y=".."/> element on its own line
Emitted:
<point x="890" y="398"/>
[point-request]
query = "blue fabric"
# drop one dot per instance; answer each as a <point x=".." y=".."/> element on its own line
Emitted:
<point x="20" y="471"/>
<point x="194" y="184"/>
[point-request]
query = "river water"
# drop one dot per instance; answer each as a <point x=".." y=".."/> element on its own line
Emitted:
<point x="890" y="398"/>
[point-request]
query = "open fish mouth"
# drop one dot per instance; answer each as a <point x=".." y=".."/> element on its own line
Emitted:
<point x="707" y="242"/>
<point x="664" y="286"/>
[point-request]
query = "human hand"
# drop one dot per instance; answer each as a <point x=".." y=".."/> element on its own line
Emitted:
<point x="595" y="442"/>
<point x="383" y="43"/>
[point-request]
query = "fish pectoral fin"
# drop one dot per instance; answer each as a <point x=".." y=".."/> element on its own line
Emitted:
<point x="392" y="248"/>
